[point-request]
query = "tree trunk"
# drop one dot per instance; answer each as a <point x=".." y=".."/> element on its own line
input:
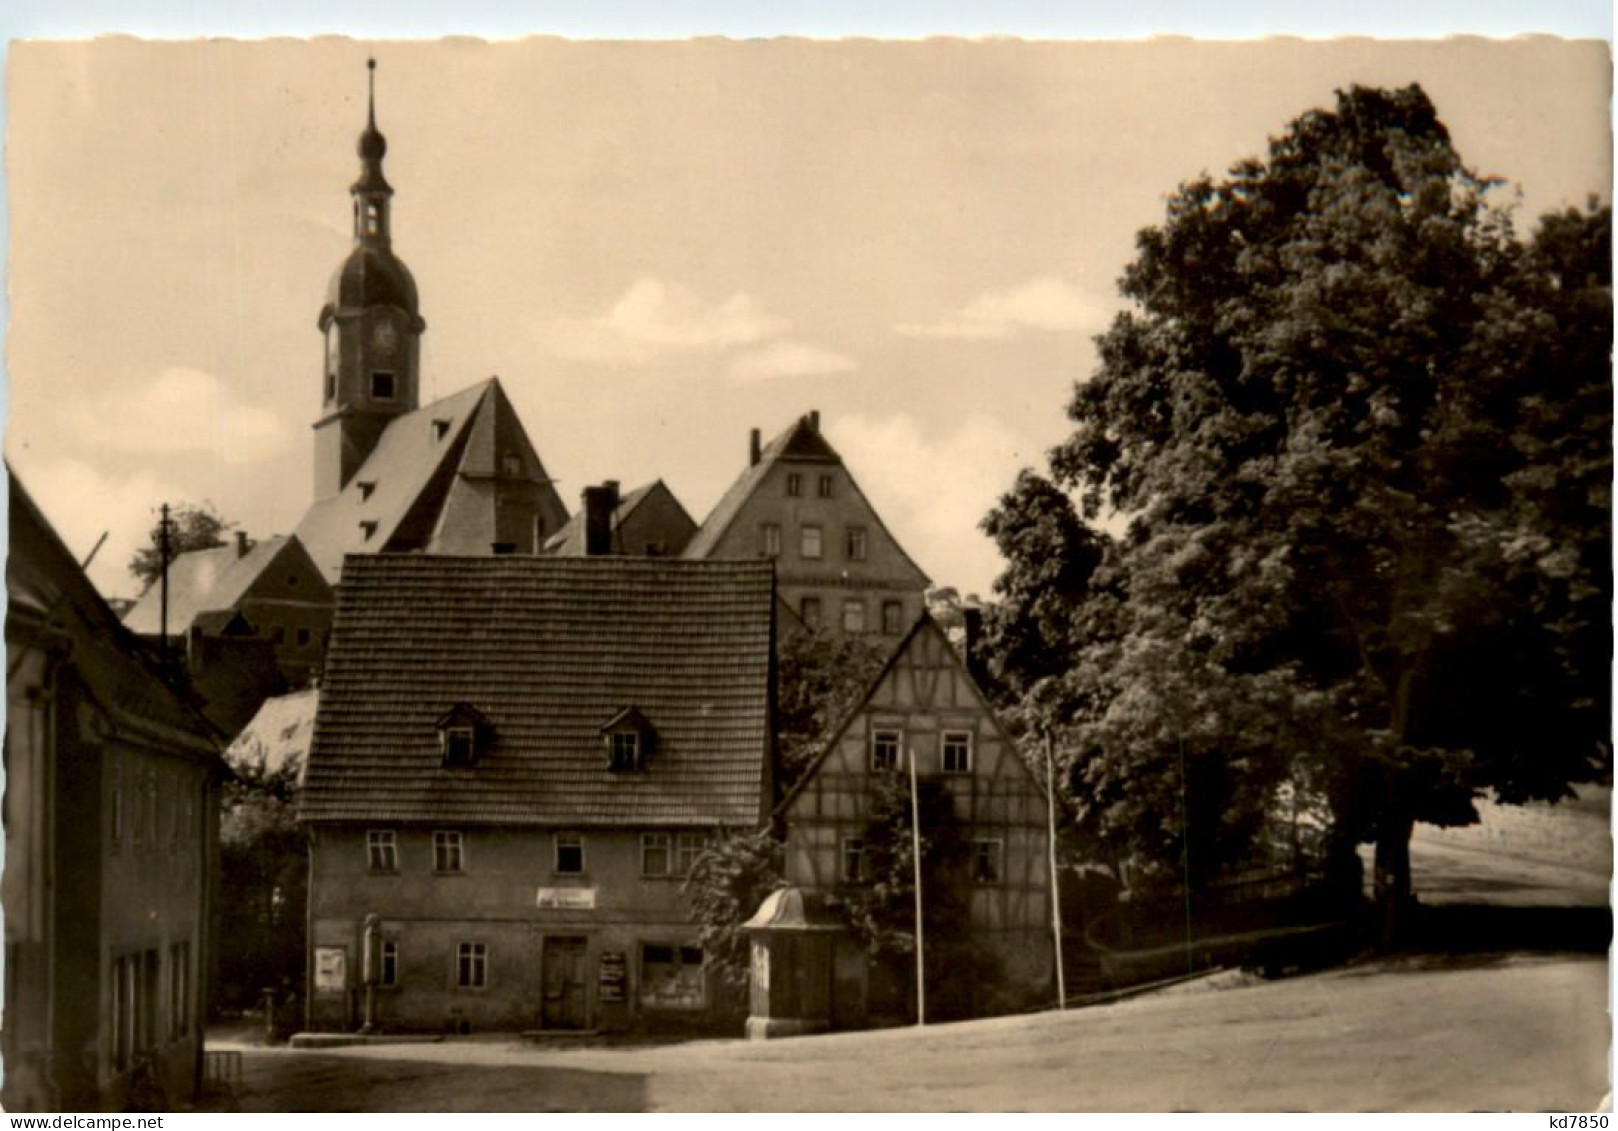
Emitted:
<point x="1390" y="879"/>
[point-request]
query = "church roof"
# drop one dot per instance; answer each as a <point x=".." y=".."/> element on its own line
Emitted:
<point x="201" y="582"/>
<point x="407" y="471"/>
<point x="548" y="650"/>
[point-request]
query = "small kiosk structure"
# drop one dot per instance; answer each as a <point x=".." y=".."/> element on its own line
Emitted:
<point x="799" y="985"/>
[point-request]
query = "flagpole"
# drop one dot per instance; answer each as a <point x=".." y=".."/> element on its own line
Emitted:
<point x="915" y="852"/>
<point x="1056" y="884"/>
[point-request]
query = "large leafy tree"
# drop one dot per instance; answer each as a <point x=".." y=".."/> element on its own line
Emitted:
<point x="1360" y="435"/>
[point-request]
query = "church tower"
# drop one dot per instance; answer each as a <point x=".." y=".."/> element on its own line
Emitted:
<point x="372" y="329"/>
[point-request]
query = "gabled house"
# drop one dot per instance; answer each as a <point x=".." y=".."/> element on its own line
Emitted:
<point x="110" y="846"/>
<point x="649" y="521"/>
<point x="837" y="564"/>
<point x="515" y="762"/>
<point x="269" y="589"/>
<point x="926" y="707"/>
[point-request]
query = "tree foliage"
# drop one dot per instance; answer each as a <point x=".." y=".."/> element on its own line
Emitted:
<point x="725" y="888"/>
<point x="192" y="527"/>
<point x="820" y="678"/>
<point x="1360" y="435"/>
<point x="263" y="863"/>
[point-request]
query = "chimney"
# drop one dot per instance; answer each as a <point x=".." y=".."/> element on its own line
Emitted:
<point x="972" y="624"/>
<point x="599" y="503"/>
<point x="814" y="420"/>
<point x="242" y="544"/>
<point x="754" y="451"/>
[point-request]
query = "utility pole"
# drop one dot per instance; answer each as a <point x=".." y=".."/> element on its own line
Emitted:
<point x="1056" y="884"/>
<point x="163" y="592"/>
<point x="915" y="853"/>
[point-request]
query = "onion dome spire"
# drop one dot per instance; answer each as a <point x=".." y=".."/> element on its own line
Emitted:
<point x="371" y="191"/>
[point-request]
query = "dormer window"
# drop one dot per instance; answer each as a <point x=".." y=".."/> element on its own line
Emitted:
<point x="511" y="465"/>
<point x="366" y="487"/>
<point x="463" y="734"/>
<point x="368" y="528"/>
<point x="629" y="739"/>
<point x="440" y="429"/>
<point x="625" y="751"/>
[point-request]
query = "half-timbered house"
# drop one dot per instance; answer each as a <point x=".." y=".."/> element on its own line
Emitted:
<point x="925" y="709"/>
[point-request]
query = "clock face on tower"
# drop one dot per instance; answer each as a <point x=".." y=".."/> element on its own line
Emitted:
<point x="384" y="336"/>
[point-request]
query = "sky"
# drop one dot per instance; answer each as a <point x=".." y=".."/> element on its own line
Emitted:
<point x="655" y="246"/>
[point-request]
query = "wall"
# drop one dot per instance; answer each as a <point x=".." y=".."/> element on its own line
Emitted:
<point x="494" y="902"/>
<point x="884" y="573"/>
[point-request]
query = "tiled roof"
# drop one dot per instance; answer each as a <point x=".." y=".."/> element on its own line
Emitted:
<point x="50" y="599"/>
<point x="278" y="735"/>
<point x="548" y="649"/>
<point x="202" y="581"/>
<point x="412" y="450"/>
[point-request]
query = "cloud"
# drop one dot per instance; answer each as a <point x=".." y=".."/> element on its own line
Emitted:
<point x="788" y="359"/>
<point x="933" y="490"/>
<point x="1045" y="304"/>
<point x="654" y="319"/>
<point x="82" y="503"/>
<point x="181" y="410"/>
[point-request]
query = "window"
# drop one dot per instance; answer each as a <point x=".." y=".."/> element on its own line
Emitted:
<point x="770" y="540"/>
<point x="382" y="850"/>
<point x="853" y="860"/>
<point x="123" y="1008"/>
<point x="448" y="855"/>
<point x="179" y="989"/>
<point x="957" y="753"/>
<point x="809" y="610"/>
<point x="853" y="615"/>
<point x="654" y="854"/>
<point x="472" y="966"/>
<point x="794" y="485"/>
<point x="382" y="384"/>
<point x="368" y="528"/>
<point x="671" y="977"/>
<point x="366" y="486"/>
<point x="687" y="847"/>
<point x="440" y="429"/>
<point x="460" y="744"/>
<point x="893" y="613"/>
<point x="511" y="465"/>
<point x="823" y="487"/>
<point x="569" y="854"/>
<point x="625" y="750"/>
<point x="371" y="221"/>
<point x="389" y="974"/>
<point x="854" y="543"/>
<point x="986" y="861"/>
<point x="885" y="750"/>
<point x="331" y="386"/>
<point x="809" y="542"/>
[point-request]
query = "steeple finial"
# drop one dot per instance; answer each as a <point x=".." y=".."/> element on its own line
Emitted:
<point x="370" y="117"/>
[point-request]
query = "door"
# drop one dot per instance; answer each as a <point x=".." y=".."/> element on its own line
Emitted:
<point x="564" y="964"/>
